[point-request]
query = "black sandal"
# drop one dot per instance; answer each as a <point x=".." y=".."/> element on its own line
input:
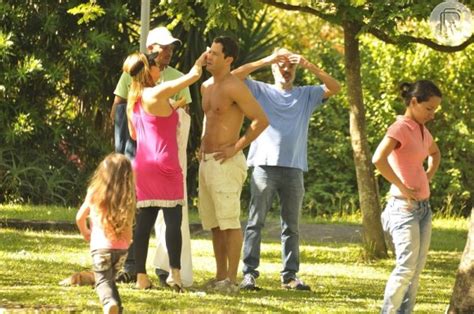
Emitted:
<point x="178" y="288"/>
<point x="125" y="277"/>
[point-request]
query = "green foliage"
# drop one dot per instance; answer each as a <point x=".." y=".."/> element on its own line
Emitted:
<point x="89" y="11"/>
<point x="217" y="14"/>
<point x="55" y="94"/>
<point x="453" y="184"/>
<point x="56" y="89"/>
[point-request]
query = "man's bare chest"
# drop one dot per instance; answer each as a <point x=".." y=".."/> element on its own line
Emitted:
<point x="216" y="100"/>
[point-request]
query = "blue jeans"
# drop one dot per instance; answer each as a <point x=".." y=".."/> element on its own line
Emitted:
<point x="105" y="264"/>
<point x="288" y="184"/>
<point x="408" y="223"/>
<point x="123" y="143"/>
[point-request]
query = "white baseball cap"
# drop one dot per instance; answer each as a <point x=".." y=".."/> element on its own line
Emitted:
<point x="161" y="36"/>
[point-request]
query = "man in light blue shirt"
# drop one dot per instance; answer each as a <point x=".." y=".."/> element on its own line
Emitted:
<point x="279" y="158"/>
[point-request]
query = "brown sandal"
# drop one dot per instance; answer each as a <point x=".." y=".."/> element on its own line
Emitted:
<point x="143" y="280"/>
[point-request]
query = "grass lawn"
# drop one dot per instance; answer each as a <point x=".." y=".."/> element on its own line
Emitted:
<point x="34" y="262"/>
<point x="60" y="213"/>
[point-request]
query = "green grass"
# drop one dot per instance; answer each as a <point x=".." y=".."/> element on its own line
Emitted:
<point x="34" y="262"/>
<point x="51" y="213"/>
<point x="59" y="213"/>
<point x="35" y="212"/>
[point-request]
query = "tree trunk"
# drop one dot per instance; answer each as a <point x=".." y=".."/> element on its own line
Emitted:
<point x="462" y="299"/>
<point x="368" y="193"/>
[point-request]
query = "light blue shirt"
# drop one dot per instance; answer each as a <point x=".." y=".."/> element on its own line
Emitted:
<point x="284" y="142"/>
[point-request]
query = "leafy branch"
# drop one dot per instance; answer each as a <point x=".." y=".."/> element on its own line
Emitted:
<point x="377" y="32"/>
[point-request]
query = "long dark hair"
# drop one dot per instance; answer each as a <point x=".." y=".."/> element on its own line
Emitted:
<point x="422" y="90"/>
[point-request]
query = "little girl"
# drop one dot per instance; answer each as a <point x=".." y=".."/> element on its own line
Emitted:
<point x="407" y="217"/>
<point x="110" y="207"/>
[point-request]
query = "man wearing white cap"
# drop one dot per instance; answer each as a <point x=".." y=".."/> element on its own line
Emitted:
<point x="162" y="41"/>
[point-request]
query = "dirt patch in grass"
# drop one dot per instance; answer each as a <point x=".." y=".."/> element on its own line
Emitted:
<point x="310" y="232"/>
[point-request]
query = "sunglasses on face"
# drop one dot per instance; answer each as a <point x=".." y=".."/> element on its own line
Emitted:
<point x="170" y="47"/>
<point x="137" y="67"/>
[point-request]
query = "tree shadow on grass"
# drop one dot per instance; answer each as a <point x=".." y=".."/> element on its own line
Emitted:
<point x="442" y="264"/>
<point x="448" y="240"/>
<point x="35" y="288"/>
<point x="27" y="271"/>
<point x="327" y="292"/>
<point x="312" y="253"/>
<point x="165" y="300"/>
<point x="43" y="259"/>
<point x="16" y="307"/>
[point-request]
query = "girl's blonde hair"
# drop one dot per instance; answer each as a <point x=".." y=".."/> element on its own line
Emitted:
<point x="113" y="194"/>
<point x="138" y="66"/>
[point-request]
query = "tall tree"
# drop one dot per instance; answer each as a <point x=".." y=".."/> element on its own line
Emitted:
<point x="56" y="93"/>
<point x="462" y="299"/>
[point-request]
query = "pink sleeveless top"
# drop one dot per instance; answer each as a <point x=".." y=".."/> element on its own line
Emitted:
<point x="158" y="175"/>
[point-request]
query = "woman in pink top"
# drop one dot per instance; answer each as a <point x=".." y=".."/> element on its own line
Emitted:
<point x="407" y="216"/>
<point x="153" y="122"/>
<point x="110" y="207"/>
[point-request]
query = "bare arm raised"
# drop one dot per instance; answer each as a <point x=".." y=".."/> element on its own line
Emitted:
<point x="332" y="86"/>
<point x="245" y="70"/>
<point x="167" y="89"/>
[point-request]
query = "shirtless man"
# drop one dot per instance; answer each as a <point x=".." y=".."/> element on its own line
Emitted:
<point x="222" y="171"/>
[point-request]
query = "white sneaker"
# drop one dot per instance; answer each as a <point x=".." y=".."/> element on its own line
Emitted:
<point x="248" y="283"/>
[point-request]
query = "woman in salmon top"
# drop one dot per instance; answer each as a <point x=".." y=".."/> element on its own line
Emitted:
<point x="407" y="216"/>
<point x="153" y="122"/>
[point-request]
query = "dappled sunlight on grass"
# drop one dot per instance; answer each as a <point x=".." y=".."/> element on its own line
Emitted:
<point x="37" y="212"/>
<point x="450" y="223"/>
<point x="442" y="263"/>
<point x="34" y="262"/>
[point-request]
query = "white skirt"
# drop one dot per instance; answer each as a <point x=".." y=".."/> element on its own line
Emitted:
<point x="161" y="259"/>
